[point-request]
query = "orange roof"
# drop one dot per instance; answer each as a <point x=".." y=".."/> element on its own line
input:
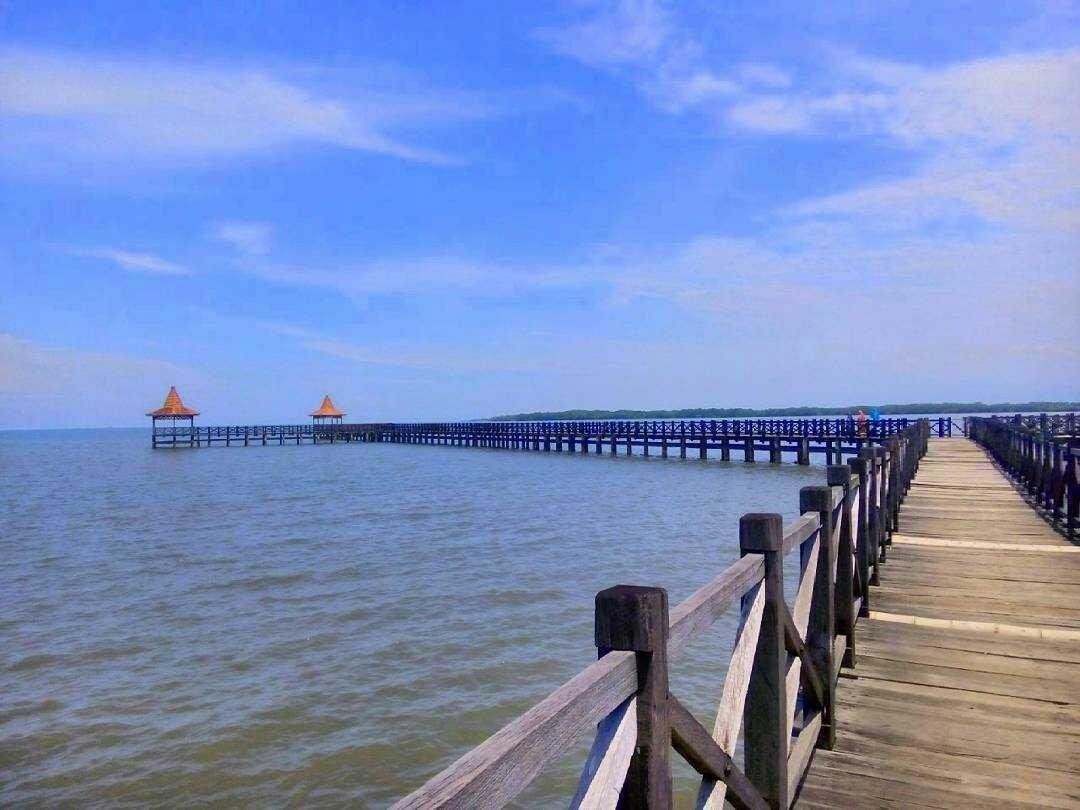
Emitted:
<point x="327" y="408"/>
<point x="173" y="406"/>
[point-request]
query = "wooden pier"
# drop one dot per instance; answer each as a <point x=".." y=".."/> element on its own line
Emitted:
<point x="966" y="688"/>
<point x="798" y="440"/>
<point x="929" y="655"/>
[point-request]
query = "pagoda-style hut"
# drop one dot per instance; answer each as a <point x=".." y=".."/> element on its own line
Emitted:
<point x="174" y="409"/>
<point x="327" y="413"/>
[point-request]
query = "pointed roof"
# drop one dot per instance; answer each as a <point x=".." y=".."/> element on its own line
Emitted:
<point x="173" y="406"/>
<point x="327" y="408"/>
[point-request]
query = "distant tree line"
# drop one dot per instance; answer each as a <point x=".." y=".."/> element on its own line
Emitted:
<point x="913" y="408"/>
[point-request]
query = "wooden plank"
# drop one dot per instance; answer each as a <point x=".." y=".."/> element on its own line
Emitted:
<point x="801" y="751"/>
<point x="491" y="774"/>
<point x="733" y="695"/>
<point x="966" y="692"/>
<point x="796" y="532"/>
<point x="605" y="768"/>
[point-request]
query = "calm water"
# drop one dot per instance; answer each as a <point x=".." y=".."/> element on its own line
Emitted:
<point x="319" y="625"/>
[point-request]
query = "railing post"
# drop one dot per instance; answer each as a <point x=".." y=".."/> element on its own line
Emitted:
<point x="873" y="516"/>
<point x="839" y="475"/>
<point x="629" y="617"/>
<point x="765" y="712"/>
<point x="861" y="531"/>
<point x="1072" y="493"/>
<point x="821" y="628"/>
<point x="895" y="491"/>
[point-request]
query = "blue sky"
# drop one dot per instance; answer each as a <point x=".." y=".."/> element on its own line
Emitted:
<point x="456" y="210"/>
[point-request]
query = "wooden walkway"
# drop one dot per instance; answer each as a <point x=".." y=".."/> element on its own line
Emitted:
<point x="966" y="689"/>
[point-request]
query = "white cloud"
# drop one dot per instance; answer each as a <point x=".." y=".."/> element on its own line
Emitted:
<point x="644" y="40"/>
<point x="61" y="106"/>
<point x="251" y="238"/>
<point x="1000" y="139"/>
<point x="134" y="262"/>
<point x="625" y="33"/>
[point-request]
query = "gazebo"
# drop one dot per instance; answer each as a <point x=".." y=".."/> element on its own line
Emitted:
<point x="327" y="412"/>
<point x="173" y="409"/>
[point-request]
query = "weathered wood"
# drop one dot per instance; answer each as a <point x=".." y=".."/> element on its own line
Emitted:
<point x="811" y="681"/>
<point x="801" y="751"/>
<point x="967" y="686"/>
<point x="605" y="768"/>
<point x="635" y="619"/>
<point x="494" y="772"/>
<point x="733" y="696"/>
<point x="767" y="713"/>
<point x="699" y="749"/>
<point x="821" y="628"/>
<point x="799" y="530"/>
<point x="701" y="609"/>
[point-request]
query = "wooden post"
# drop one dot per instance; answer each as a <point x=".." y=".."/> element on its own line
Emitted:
<point x="725" y="448"/>
<point x="821" y="629"/>
<point x="633" y="618"/>
<point x="748" y="448"/>
<point x="840" y="476"/>
<point x="873" y="517"/>
<point x="682" y="441"/>
<point x="804" y="451"/>
<point x="765" y="712"/>
<point x="861" y="533"/>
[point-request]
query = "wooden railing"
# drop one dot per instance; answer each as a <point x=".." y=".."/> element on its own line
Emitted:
<point x="208" y="435"/>
<point x="1046" y="463"/>
<point x="1045" y="424"/>
<point x="673" y="430"/>
<point x="779" y="692"/>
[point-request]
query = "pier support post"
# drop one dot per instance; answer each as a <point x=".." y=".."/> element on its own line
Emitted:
<point x="804" y="452"/>
<point x="725" y="448"/>
<point x="748" y="449"/>
<point x="633" y="618"/>
<point x="765" y="711"/>
<point x="774" y="451"/>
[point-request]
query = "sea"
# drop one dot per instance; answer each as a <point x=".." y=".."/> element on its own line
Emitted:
<point x="326" y="625"/>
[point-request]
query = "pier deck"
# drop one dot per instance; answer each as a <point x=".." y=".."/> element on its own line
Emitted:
<point x="966" y="688"/>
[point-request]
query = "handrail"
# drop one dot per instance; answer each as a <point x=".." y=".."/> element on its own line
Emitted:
<point x="1046" y="464"/>
<point x="782" y="653"/>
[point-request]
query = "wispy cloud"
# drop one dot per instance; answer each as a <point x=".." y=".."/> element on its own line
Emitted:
<point x="132" y="261"/>
<point x="645" y="41"/>
<point x="998" y="138"/>
<point x="62" y="106"/>
<point x="250" y="238"/>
